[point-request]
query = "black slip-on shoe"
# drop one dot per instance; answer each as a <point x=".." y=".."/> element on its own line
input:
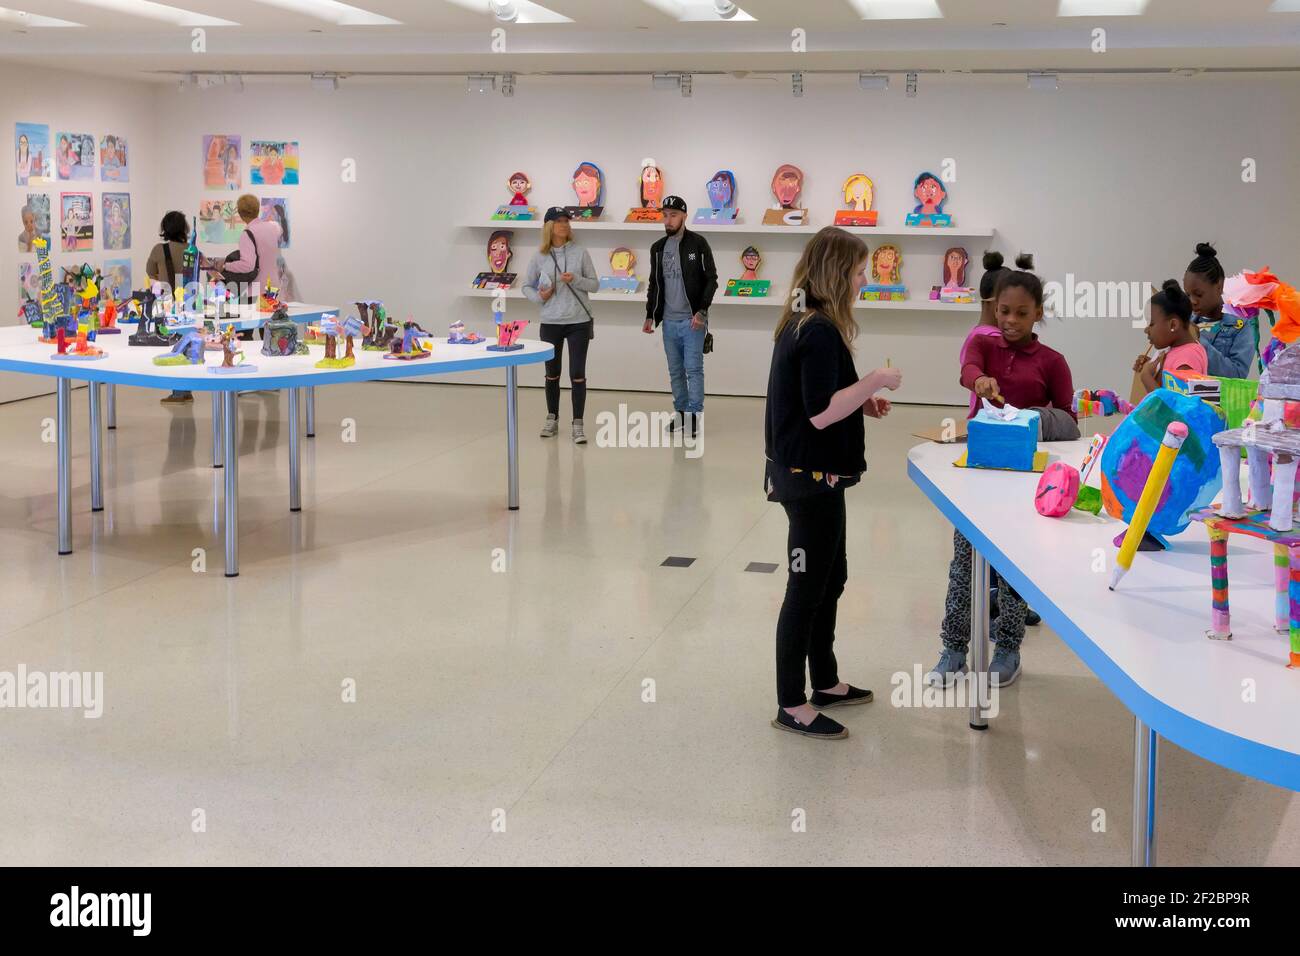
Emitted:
<point x="1032" y="618"/>
<point x="823" y="728"/>
<point x="856" y="695"/>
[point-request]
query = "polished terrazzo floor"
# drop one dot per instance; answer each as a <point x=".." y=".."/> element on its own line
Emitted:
<point x="501" y="663"/>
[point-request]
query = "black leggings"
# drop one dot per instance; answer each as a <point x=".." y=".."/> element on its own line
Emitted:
<point x="819" y="568"/>
<point x="577" y="335"/>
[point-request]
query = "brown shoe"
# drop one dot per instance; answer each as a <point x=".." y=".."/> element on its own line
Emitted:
<point x="177" y="398"/>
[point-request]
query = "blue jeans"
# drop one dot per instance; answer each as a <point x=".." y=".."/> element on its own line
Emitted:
<point x="684" y="347"/>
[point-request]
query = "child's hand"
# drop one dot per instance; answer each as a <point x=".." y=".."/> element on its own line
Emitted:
<point x="1142" y="360"/>
<point x="876" y="407"/>
<point x="1148" y="373"/>
<point x="889" y="378"/>
<point x="986" y="386"/>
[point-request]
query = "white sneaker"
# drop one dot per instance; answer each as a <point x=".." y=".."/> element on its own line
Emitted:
<point x="551" y="427"/>
<point x="578" y="437"/>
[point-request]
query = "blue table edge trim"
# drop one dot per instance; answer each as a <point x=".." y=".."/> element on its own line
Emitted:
<point x="95" y="372"/>
<point x="1270" y="764"/>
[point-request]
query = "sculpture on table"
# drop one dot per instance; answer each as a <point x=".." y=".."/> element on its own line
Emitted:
<point x="518" y="208"/>
<point x="382" y="329"/>
<point x="1270" y="512"/>
<point x="749" y="284"/>
<point x="410" y="346"/>
<point x="280" y="336"/>
<point x="232" y="357"/>
<point x="108" y="318"/>
<point x="787" y="186"/>
<point x="80" y="348"/>
<point x="149" y="329"/>
<point x="859" y="194"/>
<point x="886" y="275"/>
<point x="622" y="261"/>
<point x="508" y="334"/>
<point x="722" y="209"/>
<point x="55" y="314"/>
<point x="589" y="187"/>
<point x="1098" y="403"/>
<point x="333" y="329"/>
<point x="188" y="349"/>
<point x="269" y="300"/>
<point x="930" y="194"/>
<point x="456" y="335"/>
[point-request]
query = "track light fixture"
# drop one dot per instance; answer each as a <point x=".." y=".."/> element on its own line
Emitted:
<point x="796" y="84"/>
<point x="911" y="85"/>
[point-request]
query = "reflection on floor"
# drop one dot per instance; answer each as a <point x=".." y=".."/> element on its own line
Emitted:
<point x="528" y="688"/>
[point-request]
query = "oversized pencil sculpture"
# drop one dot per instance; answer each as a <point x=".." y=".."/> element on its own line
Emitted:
<point x="1175" y="435"/>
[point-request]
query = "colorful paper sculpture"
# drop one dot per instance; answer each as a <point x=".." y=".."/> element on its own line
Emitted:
<point x="930" y="196"/>
<point x="1270" y="514"/>
<point x="518" y="208"/>
<point x="332" y="329"/>
<point x="280" y="336"/>
<point x="382" y="329"/>
<point x="1098" y="403"/>
<point x="149" y="326"/>
<point x="1152" y="491"/>
<point x="456" y="335"/>
<point x="83" y="350"/>
<point x="859" y="194"/>
<point x="1003" y="438"/>
<point x="499" y="255"/>
<point x="787" y="186"/>
<point x="622" y="261"/>
<point x="722" y="209"/>
<point x="749" y="284"/>
<point x="589" y="187"/>
<point x="886" y="275"/>
<point x="1263" y="290"/>
<point x="1132" y="450"/>
<point x="508" y="334"/>
<point x="1057" y="490"/>
<point x="188" y="349"/>
<point x="410" y="347"/>
<point x="651" y="190"/>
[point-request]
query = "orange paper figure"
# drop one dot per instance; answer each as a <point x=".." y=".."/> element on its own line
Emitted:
<point x="859" y="193"/>
<point x="652" y="185"/>
<point x="787" y="186"/>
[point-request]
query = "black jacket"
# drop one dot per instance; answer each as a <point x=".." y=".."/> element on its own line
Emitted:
<point x="699" y="275"/>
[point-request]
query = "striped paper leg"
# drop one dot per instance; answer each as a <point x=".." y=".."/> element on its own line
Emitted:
<point x="1282" y="586"/>
<point x="1294" y="660"/>
<point x="1222" y="624"/>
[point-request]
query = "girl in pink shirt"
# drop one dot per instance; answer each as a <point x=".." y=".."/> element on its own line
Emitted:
<point x="988" y="323"/>
<point x="1169" y="327"/>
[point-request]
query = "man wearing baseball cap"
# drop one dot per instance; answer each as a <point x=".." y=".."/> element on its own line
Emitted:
<point x="683" y="280"/>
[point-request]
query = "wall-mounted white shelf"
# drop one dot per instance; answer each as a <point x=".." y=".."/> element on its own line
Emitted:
<point x="904" y="305"/>
<point x="743" y="229"/>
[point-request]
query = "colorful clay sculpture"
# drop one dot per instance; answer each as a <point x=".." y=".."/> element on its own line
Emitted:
<point x="508" y="334"/>
<point x="232" y="357"/>
<point x="456" y="335"/>
<point x="149" y="329"/>
<point x="1133" y="448"/>
<point x="280" y="336"/>
<point x="1152" y="489"/>
<point x="410" y="346"/>
<point x="1003" y="438"/>
<point x="333" y="329"/>
<point x="188" y="349"/>
<point x="1098" y="403"/>
<point x="81" y="350"/>
<point x="382" y="329"/>
<point x="886" y="275"/>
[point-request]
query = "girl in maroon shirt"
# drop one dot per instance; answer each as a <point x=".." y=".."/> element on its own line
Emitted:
<point x="1012" y="368"/>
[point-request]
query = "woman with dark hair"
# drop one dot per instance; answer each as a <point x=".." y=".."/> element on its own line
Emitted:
<point x="1230" y="336"/>
<point x="165" y="264"/>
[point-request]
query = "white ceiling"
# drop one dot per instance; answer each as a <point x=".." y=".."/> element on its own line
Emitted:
<point x="638" y="35"/>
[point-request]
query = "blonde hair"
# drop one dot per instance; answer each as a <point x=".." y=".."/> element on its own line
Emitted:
<point x="548" y="229"/>
<point x="870" y="194"/>
<point x="824" y="276"/>
<point x="249" y="207"/>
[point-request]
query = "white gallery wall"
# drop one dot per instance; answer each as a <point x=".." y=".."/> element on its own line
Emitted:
<point x="73" y="103"/>
<point x="1109" y="179"/>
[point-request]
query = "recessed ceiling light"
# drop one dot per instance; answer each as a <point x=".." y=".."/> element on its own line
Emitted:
<point x="1101" y="8"/>
<point x="897" y="9"/>
<point x="160" y="11"/>
<point x="340" y="14"/>
<point x="526" y="11"/>
<point x="23" y="18"/>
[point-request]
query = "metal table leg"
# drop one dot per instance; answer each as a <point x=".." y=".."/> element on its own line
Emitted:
<point x="216" y="429"/>
<point x="111" y="391"/>
<point x="979" y="638"/>
<point x="96" y="446"/>
<point x="64" y="454"/>
<point x="230" y="403"/>
<point x="311" y="411"/>
<point x="295" y="455"/>
<point x="1144" y="793"/>
<point x="512" y="438"/>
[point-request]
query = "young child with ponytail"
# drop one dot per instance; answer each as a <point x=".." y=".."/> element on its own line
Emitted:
<point x="1169" y="329"/>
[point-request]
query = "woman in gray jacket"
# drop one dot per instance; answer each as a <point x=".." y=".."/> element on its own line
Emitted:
<point x="559" y="278"/>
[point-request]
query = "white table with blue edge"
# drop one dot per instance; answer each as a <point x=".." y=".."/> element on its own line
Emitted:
<point x="1234" y="703"/>
<point x="126" y="364"/>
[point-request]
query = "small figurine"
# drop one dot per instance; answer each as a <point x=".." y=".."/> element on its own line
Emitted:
<point x="232" y="357"/>
<point x="859" y="193"/>
<point x="508" y="334"/>
<point x="749" y="284"/>
<point x="148" y="330"/>
<point x="651" y="190"/>
<point x="280" y="336"/>
<point x="382" y="329"/>
<point x="82" y="348"/>
<point x="886" y="275"/>
<point x="787" y="185"/>
<point x="332" y="328"/>
<point x="269" y="301"/>
<point x="107" y="320"/>
<point x="622" y="261"/>
<point x="589" y="187"/>
<point x="722" y="200"/>
<point x="930" y="195"/>
<point x="518" y="207"/>
<point x="456" y="335"/>
<point x="409" y="347"/>
<point x="188" y="349"/>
